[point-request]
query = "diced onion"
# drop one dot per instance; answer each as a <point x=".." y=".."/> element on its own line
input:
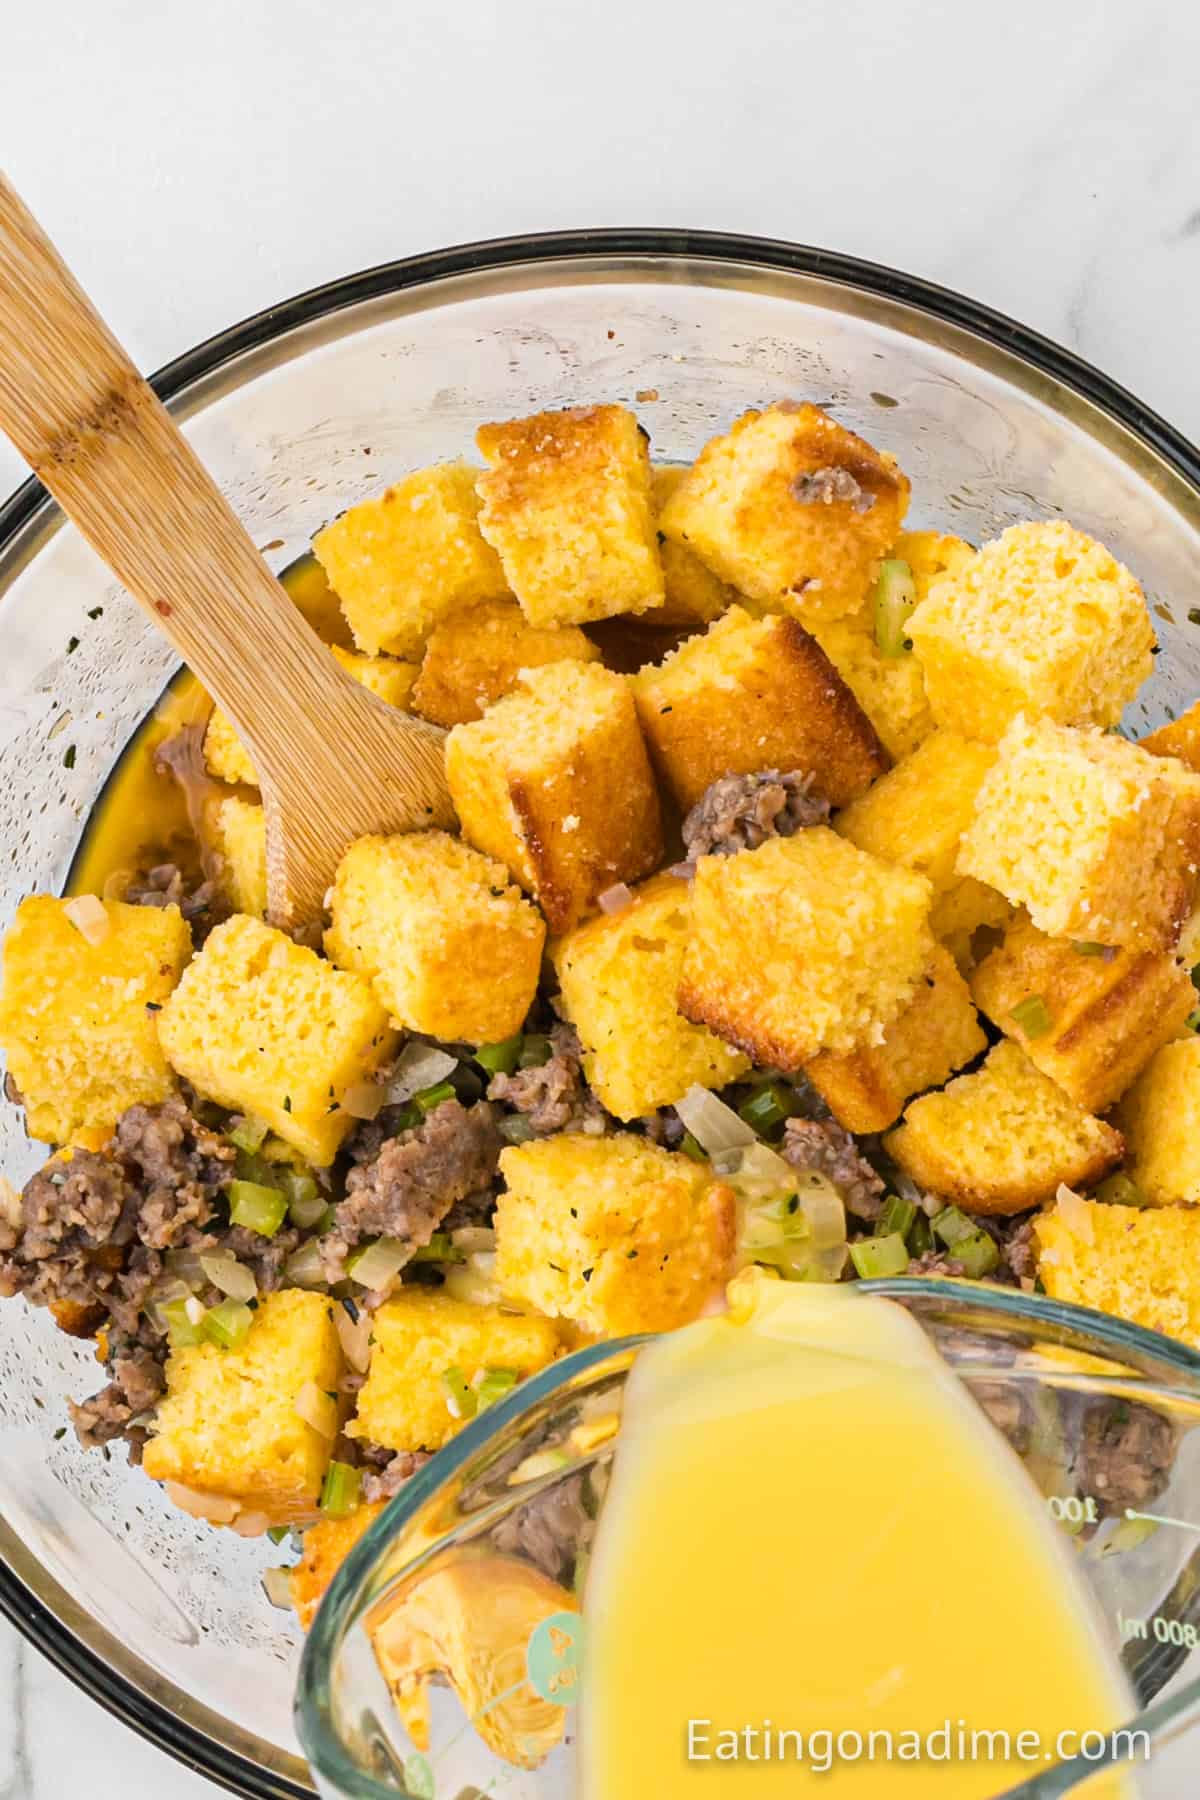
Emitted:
<point x="762" y="1174"/>
<point x="277" y="1586"/>
<point x="318" y="1409"/>
<point x="185" y="1266"/>
<point x="714" y="1125"/>
<point x="304" y="1268"/>
<point x="116" y="884"/>
<point x="1075" y="1214"/>
<point x="355" y="1335"/>
<point x="615" y="898"/>
<point x="10" y="1203"/>
<point x="215" y="1509"/>
<point x="418" y="1066"/>
<point x="469" y="1238"/>
<point x="363" y="1099"/>
<point x="824" y="1210"/>
<point x="86" y="913"/>
<point x="194" y="1310"/>
<point x="228" y="1275"/>
<point x="474" y="1280"/>
<point x="376" y="1267"/>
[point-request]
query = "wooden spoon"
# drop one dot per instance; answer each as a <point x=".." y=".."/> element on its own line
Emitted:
<point x="333" y="761"/>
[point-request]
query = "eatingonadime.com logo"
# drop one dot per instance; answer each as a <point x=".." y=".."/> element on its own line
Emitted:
<point x="953" y="1740"/>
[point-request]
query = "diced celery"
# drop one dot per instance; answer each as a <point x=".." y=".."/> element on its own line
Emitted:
<point x="768" y="1106"/>
<point x="501" y="1058"/>
<point x="305" y="1201"/>
<point x="920" y="1237"/>
<point x="440" y="1249"/>
<point x="340" y="1490"/>
<point x="516" y="1129"/>
<point x="978" y="1254"/>
<point x="227" y="1324"/>
<point x="431" y="1097"/>
<point x="258" y="1208"/>
<point x="1118" y="1190"/>
<point x="378" y="1264"/>
<point x="181" y="1332"/>
<point x="1033" y="1016"/>
<point x="461" y="1397"/>
<point x="952" y="1226"/>
<point x="895" y="598"/>
<point x="896" y="1215"/>
<point x="535" y="1050"/>
<point x="493" y="1385"/>
<point x="878" y="1256"/>
<point x="248" y="1134"/>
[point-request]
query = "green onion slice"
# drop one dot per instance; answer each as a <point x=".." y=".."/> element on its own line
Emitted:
<point x="440" y="1249"/>
<point x="895" y="598"/>
<point x="340" y="1490"/>
<point x="501" y="1058"/>
<point x="430" y="1097"/>
<point x="1032" y="1016"/>
<point x="461" y="1398"/>
<point x="768" y="1106"/>
<point x="258" y="1208"/>
<point x="691" y="1148"/>
<point x="878" y="1256"/>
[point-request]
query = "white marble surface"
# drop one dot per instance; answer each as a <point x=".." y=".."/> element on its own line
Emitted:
<point x="197" y="163"/>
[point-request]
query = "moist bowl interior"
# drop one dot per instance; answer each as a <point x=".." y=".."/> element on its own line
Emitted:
<point x="298" y="413"/>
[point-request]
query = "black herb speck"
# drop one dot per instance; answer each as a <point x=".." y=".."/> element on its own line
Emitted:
<point x="69" y="757"/>
<point x="60" y="1434"/>
<point x="96" y="612"/>
<point x="72" y="645"/>
<point x="287" y="1103"/>
<point x="351" y="1311"/>
<point x="587" y="1274"/>
<point x="153" y="1006"/>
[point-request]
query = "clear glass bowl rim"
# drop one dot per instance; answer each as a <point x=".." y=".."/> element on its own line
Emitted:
<point x="29" y="509"/>
<point x="1095" y="1333"/>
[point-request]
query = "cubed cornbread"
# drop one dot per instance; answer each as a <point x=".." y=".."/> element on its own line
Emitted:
<point x="474" y="657"/>
<point x="751" y="694"/>
<point x="917" y="812"/>
<point x="228" y="1425"/>
<point x="566" y="503"/>
<point x="401" y="562"/>
<point x="937" y="1032"/>
<point x="790" y="507"/>
<point x="614" y="1232"/>
<point x="930" y="555"/>
<point x="1180" y="738"/>
<point x="1160" y="1117"/>
<point x="694" y="595"/>
<point x="803" y="945"/>
<point x="618" y="975"/>
<point x="78" y="1011"/>
<point x="958" y="914"/>
<point x="1098" y="1015"/>
<point x="1097" y="838"/>
<point x="239" y="831"/>
<point x="555" y="781"/>
<point x="265" y="1026"/>
<point x="1002" y="1138"/>
<point x="327" y="1544"/>
<point x="890" y="689"/>
<point x="1043" y="621"/>
<point x="1139" y="1264"/>
<point x="450" y="946"/>
<point x="416" y="1337"/>
<point x="226" y="757"/>
<point x="308" y="588"/>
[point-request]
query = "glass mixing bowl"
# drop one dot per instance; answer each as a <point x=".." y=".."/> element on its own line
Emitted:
<point x="298" y="413"/>
<point x="527" y="1481"/>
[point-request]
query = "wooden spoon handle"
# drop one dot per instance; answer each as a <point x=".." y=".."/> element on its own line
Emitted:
<point x="108" y="450"/>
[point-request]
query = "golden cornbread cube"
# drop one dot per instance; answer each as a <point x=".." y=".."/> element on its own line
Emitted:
<point x="307" y="587"/>
<point x="1043" y="621"/>
<point x="1137" y="1264"/>
<point x="265" y="1026"/>
<point x="418" y="1335"/>
<point x="1097" y="838"/>
<point x="404" y="560"/>
<point x="78" y="1010"/>
<point x="1098" y="1015"/>
<point x="327" y="1544"/>
<point x="891" y="689"/>
<point x="1160" y="1117"/>
<point x="618" y="975"/>
<point x="226" y="757"/>
<point x="803" y="945"/>
<point x="1002" y="1138"/>
<point x="751" y="694"/>
<point x="554" y="780"/>
<point x="450" y="946"/>
<point x="239" y="830"/>
<point x="695" y="596"/>
<point x="791" y="508"/>
<point x="917" y="812"/>
<point x="614" y="1232"/>
<point x="937" y="1032"/>
<point x="474" y="658"/>
<point x="958" y="913"/>
<point x="228" y="1425"/>
<point x="566" y="502"/>
<point x="1180" y="738"/>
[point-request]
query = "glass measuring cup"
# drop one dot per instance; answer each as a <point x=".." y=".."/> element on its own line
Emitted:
<point x="1102" y="1414"/>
